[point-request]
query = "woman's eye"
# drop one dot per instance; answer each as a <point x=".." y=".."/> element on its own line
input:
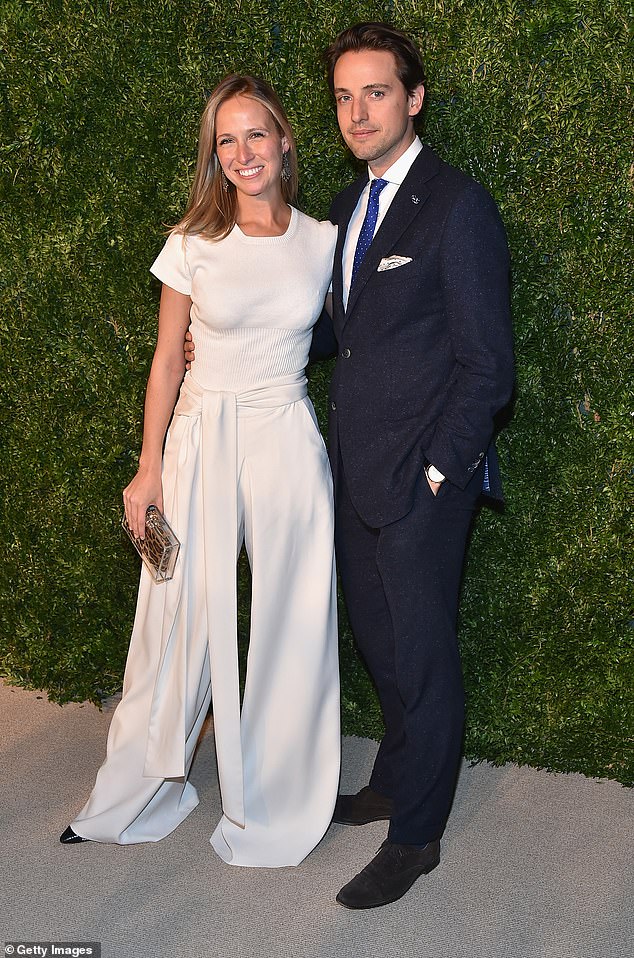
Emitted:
<point x="224" y="141"/>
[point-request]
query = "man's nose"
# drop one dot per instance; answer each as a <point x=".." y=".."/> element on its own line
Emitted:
<point x="359" y="110"/>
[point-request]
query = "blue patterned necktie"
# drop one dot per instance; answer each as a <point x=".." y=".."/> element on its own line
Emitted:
<point x="369" y="225"/>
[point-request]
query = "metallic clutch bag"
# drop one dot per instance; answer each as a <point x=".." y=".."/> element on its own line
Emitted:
<point x="159" y="548"/>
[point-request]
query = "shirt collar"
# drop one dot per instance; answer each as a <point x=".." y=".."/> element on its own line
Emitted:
<point x="397" y="172"/>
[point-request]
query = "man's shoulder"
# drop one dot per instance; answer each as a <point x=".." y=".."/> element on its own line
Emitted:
<point x="431" y="168"/>
<point x="428" y="167"/>
<point x="453" y="183"/>
<point x="346" y="198"/>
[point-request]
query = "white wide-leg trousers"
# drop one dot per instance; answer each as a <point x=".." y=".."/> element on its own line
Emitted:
<point x="278" y="757"/>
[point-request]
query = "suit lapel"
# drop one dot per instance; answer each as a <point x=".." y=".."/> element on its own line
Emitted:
<point x="348" y="205"/>
<point x="409" y="201"/>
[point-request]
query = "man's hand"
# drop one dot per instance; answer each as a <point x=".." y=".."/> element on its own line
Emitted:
<point x="434" y="486"/>
<point x="189" y="348"/>
<point x="434" y="477"/>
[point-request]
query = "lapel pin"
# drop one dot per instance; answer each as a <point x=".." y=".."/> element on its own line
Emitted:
<point x="415" y="198"/>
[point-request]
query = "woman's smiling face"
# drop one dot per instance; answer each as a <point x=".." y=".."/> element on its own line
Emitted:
<point x="250" y="147"/>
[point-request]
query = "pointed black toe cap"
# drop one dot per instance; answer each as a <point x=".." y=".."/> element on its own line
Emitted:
<point x="69" y="837"/>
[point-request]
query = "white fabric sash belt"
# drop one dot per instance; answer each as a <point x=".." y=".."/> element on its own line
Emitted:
<point x="219" y="412"/>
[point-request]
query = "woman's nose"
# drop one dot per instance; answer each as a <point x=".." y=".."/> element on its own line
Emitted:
<point x="244" y="152"/>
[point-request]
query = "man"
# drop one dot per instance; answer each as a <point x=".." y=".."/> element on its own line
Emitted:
<point x="424" y="361"/>
<point x="421" y="328"/>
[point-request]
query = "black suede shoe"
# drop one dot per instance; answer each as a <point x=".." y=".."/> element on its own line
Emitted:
<point x="391" y="873"/>
<point x="69" y="837"/>
<point x="361" y="809"/>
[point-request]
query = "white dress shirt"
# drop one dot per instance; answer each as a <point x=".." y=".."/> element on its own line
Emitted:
<point x="394" y="176"/>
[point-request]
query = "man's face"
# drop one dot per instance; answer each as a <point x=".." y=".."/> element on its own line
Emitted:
<point x="374" y="110"/>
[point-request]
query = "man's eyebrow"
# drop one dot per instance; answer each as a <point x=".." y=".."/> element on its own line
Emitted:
<point x="368" y="86"/>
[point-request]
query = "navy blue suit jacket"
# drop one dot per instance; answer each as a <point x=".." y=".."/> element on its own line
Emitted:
<point x="424" y="351"/>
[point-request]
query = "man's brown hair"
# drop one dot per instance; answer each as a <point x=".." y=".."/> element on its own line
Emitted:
<point x="379" y="36"/>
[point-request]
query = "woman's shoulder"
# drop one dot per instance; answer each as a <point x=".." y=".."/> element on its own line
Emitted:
<point x="322" y="230"/>
<point x="176" y="241"/>
<point x="193" y="245"/>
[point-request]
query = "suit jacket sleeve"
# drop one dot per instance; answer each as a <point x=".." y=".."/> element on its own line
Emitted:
<point x="324" y="341"/>
<point x="474" y="276"/>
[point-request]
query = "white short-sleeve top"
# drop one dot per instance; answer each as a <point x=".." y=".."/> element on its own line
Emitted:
<point x="254" y="299"/>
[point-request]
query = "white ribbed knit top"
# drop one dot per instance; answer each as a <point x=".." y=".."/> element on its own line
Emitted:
<point x="254" y="299"/>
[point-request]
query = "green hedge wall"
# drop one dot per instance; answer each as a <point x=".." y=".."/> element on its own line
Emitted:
<point x="100" y="109"/>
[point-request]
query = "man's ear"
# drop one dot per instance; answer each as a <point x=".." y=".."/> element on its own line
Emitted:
<point x="416" y="100"/>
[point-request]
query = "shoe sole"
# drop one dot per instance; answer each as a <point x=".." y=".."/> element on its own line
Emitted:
<point x="388" y="901"/>
<point x="366" y="821"/>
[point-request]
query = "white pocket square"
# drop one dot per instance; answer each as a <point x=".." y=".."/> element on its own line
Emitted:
<point x="393" y="262"/>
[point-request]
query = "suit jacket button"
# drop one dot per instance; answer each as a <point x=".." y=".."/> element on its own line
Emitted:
<point x="345" y="353"/>
<point x="333" y="406"/>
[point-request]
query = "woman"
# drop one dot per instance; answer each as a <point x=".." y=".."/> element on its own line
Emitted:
<point x="243" y="461"/>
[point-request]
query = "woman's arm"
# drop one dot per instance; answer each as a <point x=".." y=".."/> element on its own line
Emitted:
<point x="164" y="381"/>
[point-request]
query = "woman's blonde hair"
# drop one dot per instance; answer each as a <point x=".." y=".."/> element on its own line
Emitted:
<point x="211" y="210"/>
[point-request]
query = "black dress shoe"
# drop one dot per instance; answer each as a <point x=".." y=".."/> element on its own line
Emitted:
<point x="391" y="873"/>
<point x="69" y="837"/>
<point x="361" y="809"/>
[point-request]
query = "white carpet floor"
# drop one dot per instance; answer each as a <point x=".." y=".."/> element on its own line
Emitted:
<point x="534" y="865"/>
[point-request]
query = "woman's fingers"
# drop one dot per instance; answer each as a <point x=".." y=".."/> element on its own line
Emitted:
<point x="144" y="490"/>
<point x="133" y="510"/>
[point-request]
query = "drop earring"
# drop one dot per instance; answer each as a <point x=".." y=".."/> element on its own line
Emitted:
<point x="286" y="168"/>
<point x="225" y="181"/>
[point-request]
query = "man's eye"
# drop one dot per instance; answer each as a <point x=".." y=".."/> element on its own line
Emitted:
<point x="377" y="94"/>
<point x="344" y="98"/>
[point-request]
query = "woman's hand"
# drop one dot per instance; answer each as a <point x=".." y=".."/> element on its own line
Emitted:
<point x="146" y="489"/>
